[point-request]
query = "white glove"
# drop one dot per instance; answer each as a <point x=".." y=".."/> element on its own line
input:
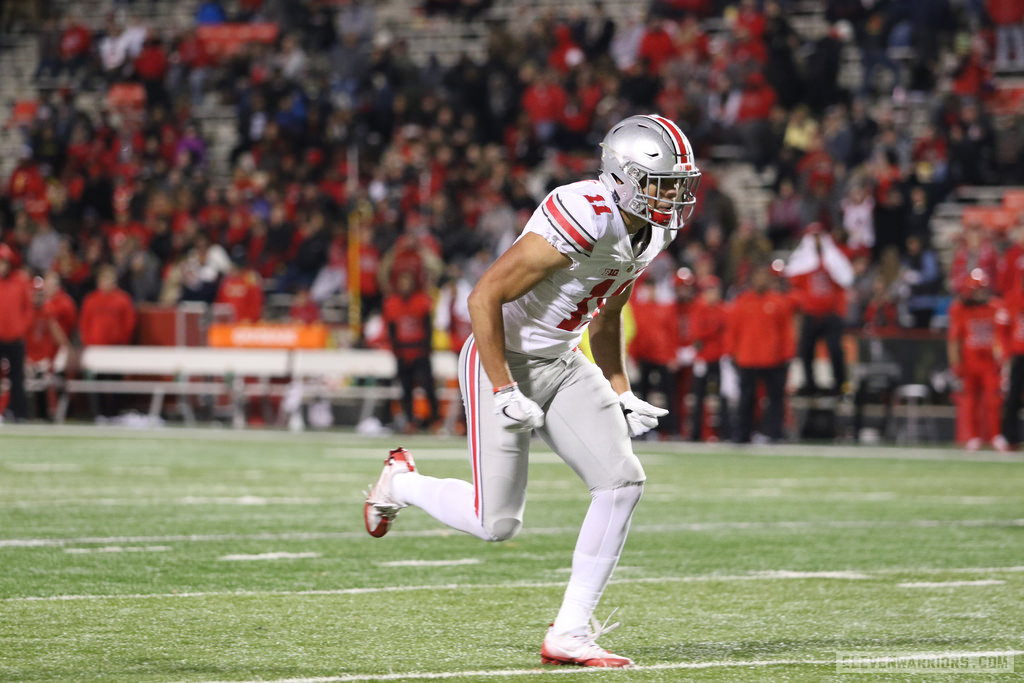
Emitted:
<point x="729" y="382"/>
<point x="641" y="416"/>
<point x="685" y="355"/>
<point x="515" y="412"/>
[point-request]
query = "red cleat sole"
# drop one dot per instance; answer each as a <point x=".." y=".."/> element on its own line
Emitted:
<point x="599" y="663"/>
<point x="380" y="528"/>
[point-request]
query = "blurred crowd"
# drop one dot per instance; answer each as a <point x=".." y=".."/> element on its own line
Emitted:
<point x="350" y="151"/>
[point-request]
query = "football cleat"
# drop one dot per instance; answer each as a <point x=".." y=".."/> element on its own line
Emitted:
<point x="581" y="650"/>
<point x="381" y="508"/>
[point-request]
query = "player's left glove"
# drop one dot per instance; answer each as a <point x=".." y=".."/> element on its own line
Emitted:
<point x="641" y="416"/>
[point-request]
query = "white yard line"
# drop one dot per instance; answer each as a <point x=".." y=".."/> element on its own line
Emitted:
<point x="34" y="467"/>
<point x="667" y="666"/>
<point x="770" y="575"/>
<point x="269" y="556"/>
<point x="119" y="549"/>
<point x="432" y="563"/>
<point x="951" y="584"/>
<point x="539" y="531"/>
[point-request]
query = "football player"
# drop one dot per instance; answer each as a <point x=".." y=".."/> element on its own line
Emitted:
<point x="521" y="371"/>
<point x="974" y="359"/>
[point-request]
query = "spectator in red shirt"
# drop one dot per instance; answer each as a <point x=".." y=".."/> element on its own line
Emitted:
<point x="881" y="314"/>
<point x="304" y="309"/>
<point x="108" y="319"/>
<point x="16" y="313"/>
<point x="974" y="360"/>
<point x="544" y="102"/>
<point x="407" y="318"/>
<point x="654" y="349"/>
<point x="108" y="316"/>
<point x="242" y="290"/>
<point x="1010" y="326"/>
<point x="1011" y="264"/>
<point x="1007" y="15"/>
<point x="52" y="323"/>
<point x="656" y="45"/>
<point x="974" y="251"/>
<point x="151" y="67"/>
<point x="820" y="275"/>
<point x="710" y="323"/>
<point x="75" y="44"/>
<point x="756" y="338"/>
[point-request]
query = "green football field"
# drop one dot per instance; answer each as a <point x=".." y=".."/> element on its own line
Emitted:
<point x="224" y="556"/>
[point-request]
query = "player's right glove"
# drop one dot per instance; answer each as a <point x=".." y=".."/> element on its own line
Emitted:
<point x="516" y="413"/>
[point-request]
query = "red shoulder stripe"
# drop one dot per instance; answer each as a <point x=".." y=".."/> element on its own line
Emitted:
<point x="567" y="225"/>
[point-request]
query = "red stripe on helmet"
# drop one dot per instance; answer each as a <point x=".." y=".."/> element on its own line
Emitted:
<point x="676" y="134"/>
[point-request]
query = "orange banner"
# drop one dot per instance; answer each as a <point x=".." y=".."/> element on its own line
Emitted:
<point x="268" y="336"/>
<point x="224" y="40"/>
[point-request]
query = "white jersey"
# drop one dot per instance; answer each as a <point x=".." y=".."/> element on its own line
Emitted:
<point x="582" y="221"/>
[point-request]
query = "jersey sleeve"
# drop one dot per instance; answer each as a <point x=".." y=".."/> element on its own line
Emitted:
<point x="566" y="221"/>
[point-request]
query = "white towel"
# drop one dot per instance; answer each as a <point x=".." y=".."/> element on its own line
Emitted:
<point x="804" y="259"/>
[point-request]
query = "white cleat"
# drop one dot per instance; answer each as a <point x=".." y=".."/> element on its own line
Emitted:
<point x="381" y="508"/>
<point x="581" y="650"/>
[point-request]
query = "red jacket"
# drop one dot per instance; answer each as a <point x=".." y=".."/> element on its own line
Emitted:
<point x="710" y="323"/>
<point x="40" y="344"/>
<point x="1011" y="270"/>
<point x="684" y="322"/>
<point x="108" y="318"/>
<point x="819" y="294"/>
<point x="974" y="329"/>
<point x="655" y="340"/>
<point x="760" y="329"/>
<point x="16" y="308"/>
<point x="242" y="292"/>
<point x="1010" y="323"/>
<point x="1005" y="12"/>
<point x="408" y="324"/>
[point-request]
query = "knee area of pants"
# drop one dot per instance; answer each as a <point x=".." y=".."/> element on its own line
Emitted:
<point x="504" y="529"/>
<point x="632" y="491"/>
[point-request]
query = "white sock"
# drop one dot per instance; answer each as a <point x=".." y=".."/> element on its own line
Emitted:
<point x="597" y="552"/>
<point x="449" y="501"/>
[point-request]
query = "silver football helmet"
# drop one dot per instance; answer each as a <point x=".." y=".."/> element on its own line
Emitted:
<point x="649" y="150"/>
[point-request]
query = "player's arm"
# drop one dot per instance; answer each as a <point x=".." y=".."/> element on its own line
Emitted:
<point x="608" y="346"/>
<point x="515" y="273"/>
<point x="608" y="343"/>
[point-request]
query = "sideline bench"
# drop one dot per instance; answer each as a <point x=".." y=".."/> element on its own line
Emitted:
<point x="158" y="371"/>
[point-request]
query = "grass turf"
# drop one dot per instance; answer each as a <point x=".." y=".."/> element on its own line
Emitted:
<point x="144" y="557"/>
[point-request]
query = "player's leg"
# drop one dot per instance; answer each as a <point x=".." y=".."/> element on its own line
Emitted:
<point x="406" y="376"/>
<point x="808" y="340"/>
<point x="993" y="402"/>
<point x="426" y="373"/>
<point x="700" y="391"/>
<point x="491" y="506"/>
<point x="833" y="334"/>
<point x="970" y="404"/>
<point x="585" y="426"/>
<point x="745" y="411"/>
<point x="1011" y="405"/>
